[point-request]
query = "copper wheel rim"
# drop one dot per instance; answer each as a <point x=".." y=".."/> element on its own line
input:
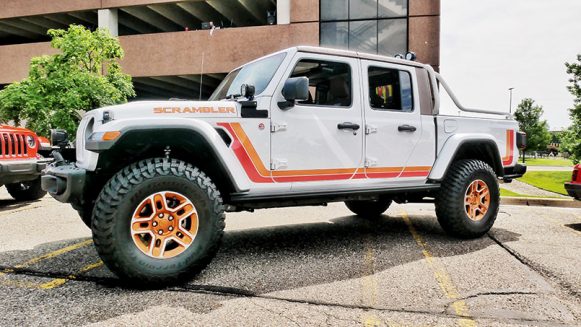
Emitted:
<point x="164" y="224"/>
<point x="477" y="200"/>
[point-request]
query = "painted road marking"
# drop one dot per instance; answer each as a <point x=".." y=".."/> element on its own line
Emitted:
<point x="369" y="287"/>
<point x="39" y="259"/>
<point x="60" y="281"/>
<point x="54" y="253"/>
<point x="442" y="277"/>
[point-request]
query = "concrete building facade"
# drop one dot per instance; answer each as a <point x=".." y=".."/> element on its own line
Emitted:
<point x="170" y="51"/>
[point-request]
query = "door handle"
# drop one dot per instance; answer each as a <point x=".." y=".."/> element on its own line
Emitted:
<point x="406" y="128"/>
<point x="348" y="125"/>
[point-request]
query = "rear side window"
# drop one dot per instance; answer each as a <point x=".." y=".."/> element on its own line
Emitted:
<point x="390" y="89"/>
<point x="329" y="82"/>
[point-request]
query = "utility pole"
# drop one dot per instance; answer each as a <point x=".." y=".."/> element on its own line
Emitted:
<point x="510" y="101"/>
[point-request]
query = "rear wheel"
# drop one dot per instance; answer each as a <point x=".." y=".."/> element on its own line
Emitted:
<point x="368" y="208"/>
<point x="26" y="191"/>
<point x="158" y="222"/>
<point x="468" y="200"/>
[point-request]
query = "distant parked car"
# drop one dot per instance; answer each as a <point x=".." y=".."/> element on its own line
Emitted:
<point x="22" y="159"/>
<point x="574" y="187"/>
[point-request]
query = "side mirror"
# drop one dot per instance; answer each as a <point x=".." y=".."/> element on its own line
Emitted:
<point x="295" y="89"/>
<point x="59" y="137"/>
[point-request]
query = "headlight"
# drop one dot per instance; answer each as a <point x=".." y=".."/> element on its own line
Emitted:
<point x="31" y="141"/>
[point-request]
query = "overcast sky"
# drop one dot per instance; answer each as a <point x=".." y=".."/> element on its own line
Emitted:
<point x="488" y="46"/>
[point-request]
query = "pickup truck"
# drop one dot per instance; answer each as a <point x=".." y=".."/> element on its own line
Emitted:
<point x="303" y="126"/>
<point x="21" y="163"/>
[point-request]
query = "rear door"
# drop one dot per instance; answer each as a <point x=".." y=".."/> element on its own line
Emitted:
<point x="393" y="122"/>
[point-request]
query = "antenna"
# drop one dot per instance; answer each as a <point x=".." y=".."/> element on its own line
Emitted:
<point x="212" y="29"/>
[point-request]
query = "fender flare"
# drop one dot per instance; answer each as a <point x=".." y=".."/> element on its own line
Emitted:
<point x="228" y="161"/>
<point x="450" y="150"/>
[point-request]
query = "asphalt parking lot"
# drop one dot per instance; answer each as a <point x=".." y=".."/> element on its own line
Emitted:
<point x="305" y="266"/>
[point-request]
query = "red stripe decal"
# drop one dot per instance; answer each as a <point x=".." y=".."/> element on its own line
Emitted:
<point x="252" y="164"/>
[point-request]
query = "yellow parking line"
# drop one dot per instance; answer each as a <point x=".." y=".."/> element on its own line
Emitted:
<point x="442" y="277"/>
<point x="60" y="281"/>
<point x="54" y="253"/>
<point x="369" y="287"/>
<point x="41" y="258"/>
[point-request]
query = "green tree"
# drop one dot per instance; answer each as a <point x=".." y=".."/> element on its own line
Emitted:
<point x="84" y="75"/>
<point x="528" y="115"/>
<point x="572" y="136"/>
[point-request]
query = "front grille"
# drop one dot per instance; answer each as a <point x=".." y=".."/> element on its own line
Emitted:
<point x="13" y="145"/>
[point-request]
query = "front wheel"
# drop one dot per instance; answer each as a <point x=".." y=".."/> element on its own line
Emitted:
<point x="468" y="200"/>
<point x="158" y="222"/>
<point x="26" y="191"/>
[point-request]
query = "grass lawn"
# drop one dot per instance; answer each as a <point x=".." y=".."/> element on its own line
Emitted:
<point x="556" y="162"/>
<point x="548" y="180"/>
<point x="505" y="192"/>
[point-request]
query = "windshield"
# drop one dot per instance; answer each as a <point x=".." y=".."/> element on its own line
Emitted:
<point x="258" y="73"/>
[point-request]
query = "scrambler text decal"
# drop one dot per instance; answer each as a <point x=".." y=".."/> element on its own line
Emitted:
<point x="194" y="110"/>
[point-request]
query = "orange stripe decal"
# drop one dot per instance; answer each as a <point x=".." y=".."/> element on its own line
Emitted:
<point x="507" y="160"/>
<point x="258" y="173"/>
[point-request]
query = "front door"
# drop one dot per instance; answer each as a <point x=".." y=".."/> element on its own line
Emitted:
<point x="320" y="139"/>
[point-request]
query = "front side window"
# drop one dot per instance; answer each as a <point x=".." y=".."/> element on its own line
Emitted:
<point x="329" y="82"/>
<point x="390" y="89"/>
<point x="258" y="73"/>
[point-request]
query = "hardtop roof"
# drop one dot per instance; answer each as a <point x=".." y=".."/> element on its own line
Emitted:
<point x="360" y="55"/>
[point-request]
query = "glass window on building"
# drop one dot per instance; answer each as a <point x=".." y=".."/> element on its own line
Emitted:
<point x="335" y="34"/>
<point x="362" y="9"/>
<point x="392" y="36"/>
<point x="334" y="10"/>
<point x="363" y="36"/>
<point x="372" y="26"/>
<point x="392" y="8"/>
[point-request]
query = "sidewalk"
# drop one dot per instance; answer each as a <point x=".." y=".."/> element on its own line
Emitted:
<point x="526" y="189"/>
<point x="549" y="168"/>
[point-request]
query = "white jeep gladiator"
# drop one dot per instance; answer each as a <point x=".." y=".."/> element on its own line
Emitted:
<point x="303" y="126"/>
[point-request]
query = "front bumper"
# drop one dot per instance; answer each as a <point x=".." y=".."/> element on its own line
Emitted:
<point x="65" y="183"/>
<point x="13" y="171"/>
<point x="573" y="190"/>
<point x="511" y="173"/>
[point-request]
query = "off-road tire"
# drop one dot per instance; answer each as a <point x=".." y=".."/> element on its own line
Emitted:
<point x="26" y="191"/>
<point x="450" y="207"/>
<point x="118" y="200"/>
<point x="368" y="208"/>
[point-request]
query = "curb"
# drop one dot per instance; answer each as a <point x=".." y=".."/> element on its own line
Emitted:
<point x="541" y="202"/>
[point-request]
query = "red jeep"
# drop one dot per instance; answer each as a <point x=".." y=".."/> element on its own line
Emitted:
<point x="574" y="187"/>
<point x="21" y="163"/>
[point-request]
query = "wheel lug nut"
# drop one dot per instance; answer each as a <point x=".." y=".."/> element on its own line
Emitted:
<point x="170" y="228"/>
<point x="154" y="223"/>
<point x="160" y="215"/>
<point x="160" y="232"/>
<point x="170" y="218"/>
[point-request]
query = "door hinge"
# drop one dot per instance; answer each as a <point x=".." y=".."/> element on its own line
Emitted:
<point x="370" y="129"/>
<point x="370" y="162"/>
<point x="277" y="127"/>
<point x="277" y="164"/>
